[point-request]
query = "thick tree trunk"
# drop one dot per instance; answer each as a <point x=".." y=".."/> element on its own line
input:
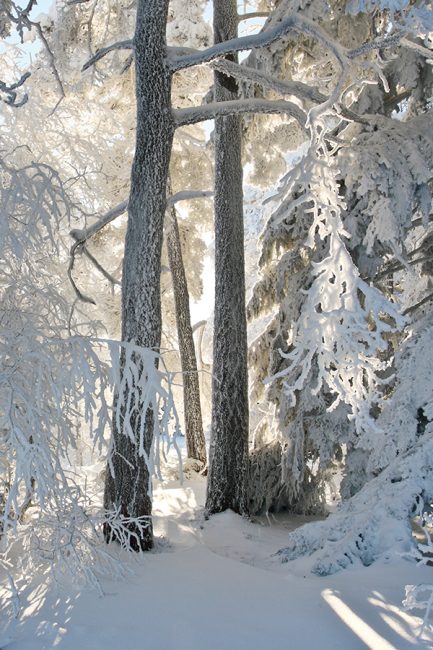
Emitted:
<point x="195" y="442"/>
<point x="228" y="456"/>
<point x="128" y="490"/>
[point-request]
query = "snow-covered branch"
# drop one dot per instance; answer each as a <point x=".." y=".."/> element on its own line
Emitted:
<point x="197" y="114"/>
<point x="244" y="73"/>
<point x="82" y="236"/>
<point x="295" y="88"/>
<point x="87" y="233"/>
<point x="263" y="39"/>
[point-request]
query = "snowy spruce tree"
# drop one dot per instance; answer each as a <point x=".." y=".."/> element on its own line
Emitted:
<point x="328" y="353"/>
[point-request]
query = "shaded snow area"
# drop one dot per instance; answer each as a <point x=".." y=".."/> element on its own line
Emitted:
<point x="217" y="585"/>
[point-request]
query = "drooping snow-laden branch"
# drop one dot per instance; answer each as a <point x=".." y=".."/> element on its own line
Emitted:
<point x="333" y="331"/>
<point x="195" y="114"/>
<point x="9" y="90"/>
<point x="48" y="384"/>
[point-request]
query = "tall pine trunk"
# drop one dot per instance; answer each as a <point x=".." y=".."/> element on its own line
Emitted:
<point x="228" y="456"/>
<point x="195" y="442"/>
<point x="128" y="489"/>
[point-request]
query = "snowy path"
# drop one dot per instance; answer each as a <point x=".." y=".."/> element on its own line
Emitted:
<point x="215" y="586"/>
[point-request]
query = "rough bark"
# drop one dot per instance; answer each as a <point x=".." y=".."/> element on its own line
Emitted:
<point x="195" y="442"/>
<point x="128" y="489"/>
<point x="228" y="456"/>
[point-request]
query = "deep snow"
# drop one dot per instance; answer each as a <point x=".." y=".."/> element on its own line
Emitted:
<point x="215" y="585"/>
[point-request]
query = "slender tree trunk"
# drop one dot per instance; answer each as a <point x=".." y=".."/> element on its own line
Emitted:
<point x="195" y="442"/>
<point x="228" y="457"/>
<point x="128" y="490"/>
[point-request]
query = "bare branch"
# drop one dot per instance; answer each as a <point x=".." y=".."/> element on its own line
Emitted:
<point x="120" y="45"/>
<point x="394" y="267"/>
<point x="244" y="73"/>
<point x="98" y="266"/>
<point x="419" y="222"/>
<point x="173" y="51"/>
<point x="253" y="14"/>
<point x="11" y="95"/>
<point x="419" y="304"/>
<point x="50" y="57"/>
<point x="420" y="49"/>
<point x="188" y="195"/>
<point x="82" y="236"/>
<point x="196" y="114"/>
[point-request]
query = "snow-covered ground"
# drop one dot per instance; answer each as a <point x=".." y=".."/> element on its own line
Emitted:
<point x="215" y="585"/>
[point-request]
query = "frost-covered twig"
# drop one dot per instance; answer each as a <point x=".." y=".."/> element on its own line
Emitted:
<point x="120" y="45"/>
<point x="9" y="90"/>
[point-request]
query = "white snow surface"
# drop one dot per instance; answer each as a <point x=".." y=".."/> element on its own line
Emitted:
<point x="216" y="585"/>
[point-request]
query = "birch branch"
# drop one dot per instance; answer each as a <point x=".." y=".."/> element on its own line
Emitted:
<point x="196" y="114"/>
